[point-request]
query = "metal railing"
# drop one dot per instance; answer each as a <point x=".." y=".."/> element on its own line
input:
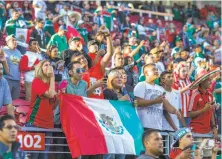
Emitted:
<point x="59" y="135"/>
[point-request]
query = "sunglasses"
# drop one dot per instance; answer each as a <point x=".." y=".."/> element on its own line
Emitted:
<point x="10" y="127"/>
<point x="80" y="70"/>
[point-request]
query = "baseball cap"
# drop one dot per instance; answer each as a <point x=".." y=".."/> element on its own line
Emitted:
<point x="63" y="27"/>
<point x="80" y="22"/>
<point x="92" y="42"/>
<point x="74" y="38"/>
<point x="10" y="37"/>
<point x="179" y="134"/>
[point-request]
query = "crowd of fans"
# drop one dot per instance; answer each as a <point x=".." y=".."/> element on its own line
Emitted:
<point x="151" y="63"/>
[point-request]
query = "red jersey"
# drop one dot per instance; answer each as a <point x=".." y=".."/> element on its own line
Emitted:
<point x="41" y="108"/>
<point x="175" y="152"/>
<point x="201" y="123"/>
<point x="185" y="97"/>
<point x="95" y="74"/>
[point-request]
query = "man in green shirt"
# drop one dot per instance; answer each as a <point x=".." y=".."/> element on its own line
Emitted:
<point x="83" y="32"/>
<point x="14" y="22"/>
<point x="49" y="28"/>
<point x="59" y="39"/>
<point x="9" y="147"/>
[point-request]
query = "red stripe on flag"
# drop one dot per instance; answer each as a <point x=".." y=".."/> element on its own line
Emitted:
<point x="83" y="133"/>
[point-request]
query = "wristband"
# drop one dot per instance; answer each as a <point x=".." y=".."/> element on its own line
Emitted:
<point x="214" y="126"/>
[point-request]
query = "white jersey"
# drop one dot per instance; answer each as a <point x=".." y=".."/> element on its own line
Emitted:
<point x="174" y="99"/>
<point x="150" y="116"/>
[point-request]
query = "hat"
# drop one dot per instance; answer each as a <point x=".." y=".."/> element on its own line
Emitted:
<point x="179" y="134"/>
<point x="126" y="44"/>
<point x="80" y="22"/>
<point x="92" y="42"/>
<point x="10" y="37"/>
<point x="74" y="38"/>
<point x="63" y="27"/>
<point x="76" y="14"/>
<point x="202" y="76"/>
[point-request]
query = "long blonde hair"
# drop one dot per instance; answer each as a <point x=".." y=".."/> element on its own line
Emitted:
<point x="39" y="71"/>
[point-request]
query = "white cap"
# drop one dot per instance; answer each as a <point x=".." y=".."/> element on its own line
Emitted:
<point x="80" y="22"/>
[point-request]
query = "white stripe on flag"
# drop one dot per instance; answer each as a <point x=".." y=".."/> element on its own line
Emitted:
<point x="116" y="143"/>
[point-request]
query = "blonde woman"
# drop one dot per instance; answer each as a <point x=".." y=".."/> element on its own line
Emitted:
<point x="43" y="101"/>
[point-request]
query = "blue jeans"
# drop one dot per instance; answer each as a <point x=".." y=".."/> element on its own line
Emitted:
<point x="114" y="156"/>
<point x="44" y="154"/>
<point x="187" y="121"/>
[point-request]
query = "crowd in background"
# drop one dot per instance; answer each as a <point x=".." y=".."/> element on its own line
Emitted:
<point x="97" y="51"/>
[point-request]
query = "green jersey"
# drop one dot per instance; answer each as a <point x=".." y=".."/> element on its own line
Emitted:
<point x="84" y="33"/>
<point x="12" y="24"/>
<point x="60" y="42"/>
<point x="7" y="155"/>
<point x="49" y="27"/>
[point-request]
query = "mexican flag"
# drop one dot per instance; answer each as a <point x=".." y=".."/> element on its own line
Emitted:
<point x="94" y="126"/>
<point x="23" y="35"/>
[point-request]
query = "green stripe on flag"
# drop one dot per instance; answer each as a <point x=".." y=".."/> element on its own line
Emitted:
<point x="131" y="122"/>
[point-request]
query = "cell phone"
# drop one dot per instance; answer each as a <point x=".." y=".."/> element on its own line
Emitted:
<point x="164" y="93"/>
<point x="193" y="148"/>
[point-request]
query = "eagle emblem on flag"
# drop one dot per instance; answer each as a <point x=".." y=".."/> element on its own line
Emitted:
<point x="110" y="124"/>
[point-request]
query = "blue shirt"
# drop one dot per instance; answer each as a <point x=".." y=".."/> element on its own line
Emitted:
<point x="13" y="58"/>
<point x="79" y="89"/>
<point x="5" y="95"/>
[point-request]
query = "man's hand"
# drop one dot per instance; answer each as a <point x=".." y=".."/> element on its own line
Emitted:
<point x="142" y="43"/>
<point x="207" y="106"/>
<point x="159" y="99"/>
<point x="100" y="83"/>
<point x="177" y="113"/>
<point x="2" y="55"/>
<point x="101" y="52"/>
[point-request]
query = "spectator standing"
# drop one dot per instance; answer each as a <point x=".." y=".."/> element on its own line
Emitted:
<point x="182" y="84"/>
<point x="202" y="110"/>
<point x="161" y="8"/>
<point x="75" y="47"/>
<point x="9" y="147"/>
<point x="153" y="144"/>
<point x="40" y="8"/>
<point x="5" y="97"/>
<point x="59" y="39"/>
<point x="38" y="33"/>
<point x="76" y="85"/>
<point x="49" y="27"/>
<point x="83" y="32"/>
<point x="151" y="100"/>
<point x="173" y="96"/>
<point x="43" y="99"/>
<point x="60" y="72"/>
<point x="27" y="11"/>
<point x="13" y="23"/>
<point x="13" y="57"/>
<point x="27" y="65"/>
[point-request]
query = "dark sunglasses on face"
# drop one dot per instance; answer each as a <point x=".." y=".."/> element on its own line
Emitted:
<point x="10" y="127"/>
<point x="80" y="70"/>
